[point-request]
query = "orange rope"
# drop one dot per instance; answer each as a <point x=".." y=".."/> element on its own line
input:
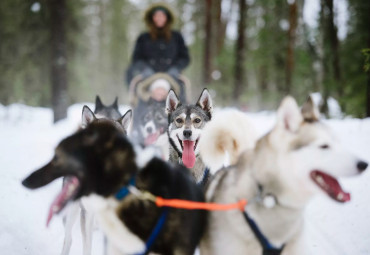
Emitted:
<point x="191" y="205"/>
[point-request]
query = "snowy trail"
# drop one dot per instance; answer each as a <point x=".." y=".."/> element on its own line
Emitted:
<point x="27" y="142"/>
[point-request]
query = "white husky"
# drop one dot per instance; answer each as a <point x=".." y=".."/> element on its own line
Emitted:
<point x="296" y="160"/>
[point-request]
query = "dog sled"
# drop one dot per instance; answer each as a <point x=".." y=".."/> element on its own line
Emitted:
<point x="140" y="89"/>
<point x="148" y="98"/>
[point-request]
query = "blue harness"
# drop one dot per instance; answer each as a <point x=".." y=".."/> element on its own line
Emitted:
<point x="268" y="248"/>
<point x="122" y="193"/>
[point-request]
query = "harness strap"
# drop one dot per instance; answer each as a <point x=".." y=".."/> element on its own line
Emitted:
<point x="193" y="205"/>
<point x="204" y="179"/>
<point x="156" y="231"/>
<point x="268" y="248"/>
<point x="124" y="191"/>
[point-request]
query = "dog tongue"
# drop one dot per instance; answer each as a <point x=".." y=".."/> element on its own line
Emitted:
<point x="331" y="186"/>
<point x="188" y="155"/>
<point x="68" y="190"/>
<point x="152" y="138"/>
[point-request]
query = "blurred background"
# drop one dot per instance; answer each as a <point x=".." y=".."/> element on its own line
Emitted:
<point x="249" y="53"/>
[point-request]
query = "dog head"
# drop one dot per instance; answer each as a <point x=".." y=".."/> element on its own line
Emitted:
<point x="186" y="123"/>
<point x="153" y="122"/>
<point x="300" y="157"/>
<point x="96" y="160"/>
<point x="122" y="122"/>
<point x="110" y="112"/>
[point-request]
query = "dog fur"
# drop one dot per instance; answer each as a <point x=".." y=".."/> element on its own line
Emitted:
<point x="223" y="144"/>
<point x="186" y="123"/>
<point x="101" y="160"/>
<point x="101" y="112"/>
<point x="278" y="177"/>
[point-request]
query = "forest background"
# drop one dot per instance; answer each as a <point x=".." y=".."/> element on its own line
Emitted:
<point x="249" y="53"/>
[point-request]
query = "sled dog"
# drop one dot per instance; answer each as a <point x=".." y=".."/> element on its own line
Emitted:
<point x="101" y="112"/>
<point x="296" y="160"/>
<point x="102" y="166"/>
<point x="185" y="127"/>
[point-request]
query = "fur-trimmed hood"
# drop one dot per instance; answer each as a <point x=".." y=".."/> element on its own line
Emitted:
<point x="148" y="14"/>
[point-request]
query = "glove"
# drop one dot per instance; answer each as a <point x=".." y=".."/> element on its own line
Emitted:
<point x="174" y="72"/>
<point x="147" y="72"/>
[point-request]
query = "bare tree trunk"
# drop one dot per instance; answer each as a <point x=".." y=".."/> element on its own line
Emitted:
<point x="289" y="68"/>
<point x="207" y="42"/>
<point x="334" y="43"/>
<point x="239" y="78"/>
<point x="368" y="83"/>
<point x="59" y="82"/>
<point x="323" y="55"/>
<point x="219" y="27"/>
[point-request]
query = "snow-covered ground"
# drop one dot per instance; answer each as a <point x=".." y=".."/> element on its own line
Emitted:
<point x="28" y="138"/>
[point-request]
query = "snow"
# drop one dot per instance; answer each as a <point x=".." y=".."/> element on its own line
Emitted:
<point x="28" y="139"/>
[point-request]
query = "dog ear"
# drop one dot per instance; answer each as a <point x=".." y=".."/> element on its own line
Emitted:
<point x="115" y="104"/>
<point x="310" y="111"/>
<point x="87" y="116"/>
<point x="205" y="101"/>
<point x="125" y="120"/>
<point x="172" y="102"/>
<point x="288" y="115"/>
<point x="98" y="104"/>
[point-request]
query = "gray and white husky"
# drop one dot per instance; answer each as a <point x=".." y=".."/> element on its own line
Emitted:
<point x="296" y="160"/>
<point x="185" y="125"/>
<point x="121" y="122"/>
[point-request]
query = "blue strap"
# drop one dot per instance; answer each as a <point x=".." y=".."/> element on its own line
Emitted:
<point x="124" y="191"/>
<point x="156" y="231"/>
<point x="204" y="178"/>
<point x="268" y="248"/>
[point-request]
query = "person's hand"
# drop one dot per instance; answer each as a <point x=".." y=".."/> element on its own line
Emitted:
<point x="174" y="72"/>
<point x="147" y="72"/>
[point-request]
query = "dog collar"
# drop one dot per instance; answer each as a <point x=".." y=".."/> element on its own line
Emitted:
<point x="124" y="191"/>
<point x="268" y="200"/>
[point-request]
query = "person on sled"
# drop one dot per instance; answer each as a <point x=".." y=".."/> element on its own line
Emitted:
<point x="160" y="50"/>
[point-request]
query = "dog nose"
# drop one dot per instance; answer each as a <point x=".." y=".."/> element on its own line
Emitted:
<point x="187" y="133"/>
<point x="149" y="130"/>
<point x="361" y="165"/>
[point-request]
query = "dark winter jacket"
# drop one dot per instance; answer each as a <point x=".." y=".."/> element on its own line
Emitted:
<point x="159" y="50"/>
<point x="159" y="55"/>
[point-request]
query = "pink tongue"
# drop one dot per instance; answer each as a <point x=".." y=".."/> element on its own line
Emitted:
<point x="150" y="139"/>
<point x="68" y="190"/>
<point x="188" y="155"/>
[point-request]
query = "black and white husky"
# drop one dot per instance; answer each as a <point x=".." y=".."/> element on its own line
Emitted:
<point x="122" y="122"/>
<point x="99" y="162"/>
<point x="185" y="126"/>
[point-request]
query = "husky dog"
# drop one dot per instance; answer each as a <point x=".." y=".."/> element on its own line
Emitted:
<point x="185" y="126"/>
<point x="152" y="122"/>
<point x="103" y="113"/>
<point x="99" y="161"/>
<point x="298" y="159"/>
<point x="221" y="143"/>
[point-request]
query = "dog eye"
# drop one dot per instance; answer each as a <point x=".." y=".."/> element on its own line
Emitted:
<point x="197" y="120"/>
<point x="324" y="146"/>
<point x="179" y="120"/>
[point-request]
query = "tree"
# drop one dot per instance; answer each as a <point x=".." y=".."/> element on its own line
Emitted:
<point x="293" y="14"/>
<point x="240" y="49"/>
<point x="58" y="44"/>
<point x="207" y="42"/>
